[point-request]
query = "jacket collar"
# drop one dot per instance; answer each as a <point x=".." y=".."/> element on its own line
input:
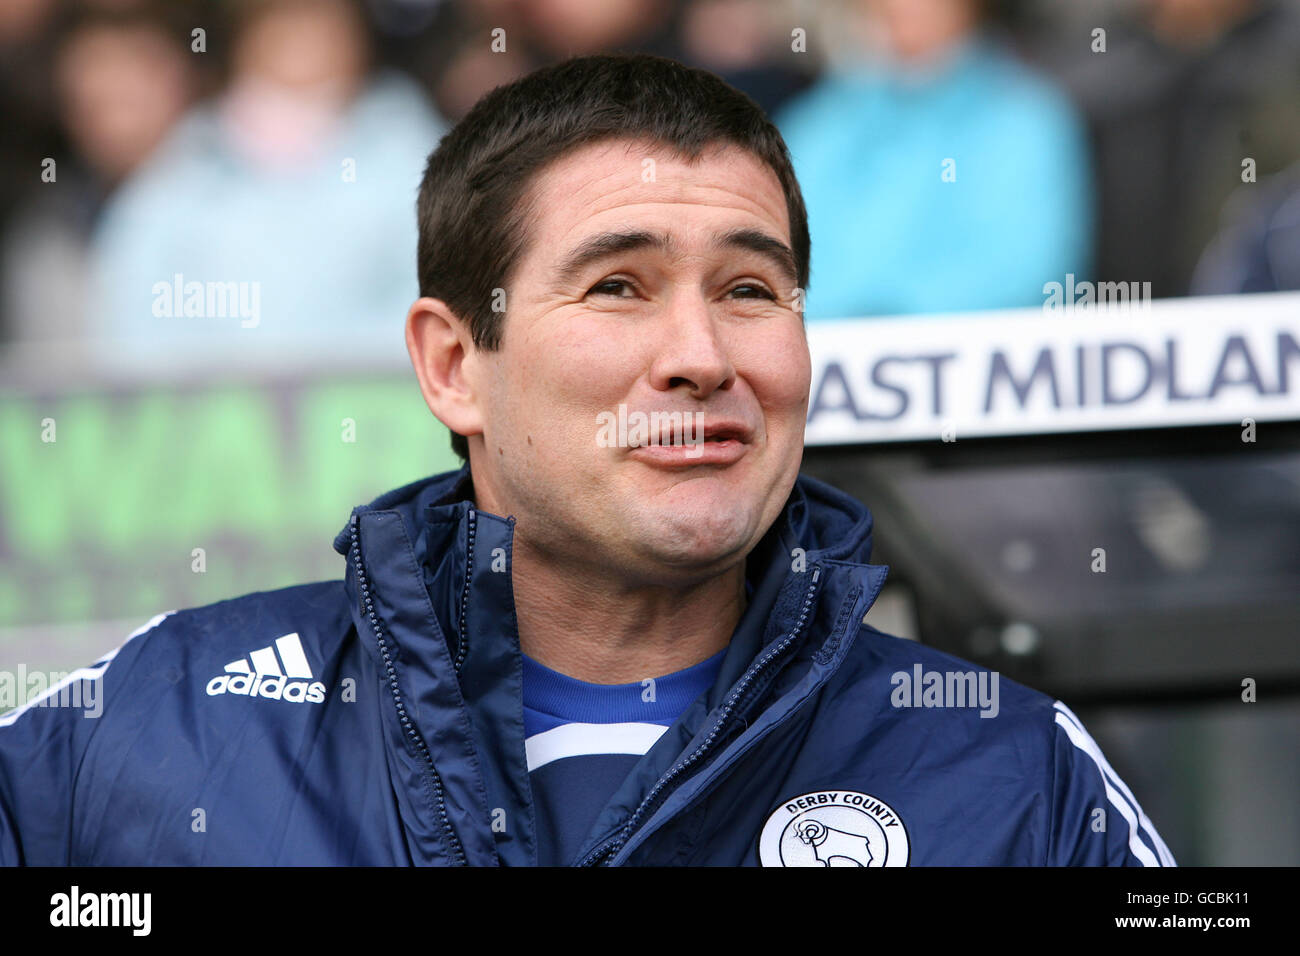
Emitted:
<point x="824" y="519"/>
<point x="819" y="524"/>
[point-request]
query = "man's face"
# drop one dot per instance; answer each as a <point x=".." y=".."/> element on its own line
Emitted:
<point x="663" y="287"/>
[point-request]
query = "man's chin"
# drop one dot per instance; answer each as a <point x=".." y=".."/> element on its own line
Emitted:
<point x="698" y="518"/>
<point x="699" y="538"/>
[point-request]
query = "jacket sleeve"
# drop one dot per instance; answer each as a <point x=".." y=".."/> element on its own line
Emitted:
<point x="42" y="744"/>
<point x="1095" y="819"/>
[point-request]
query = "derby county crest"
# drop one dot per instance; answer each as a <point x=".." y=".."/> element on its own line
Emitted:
<point x="833" y="828"/>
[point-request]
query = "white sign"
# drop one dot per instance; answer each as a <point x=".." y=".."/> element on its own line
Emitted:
<point x="1194" y="361"/>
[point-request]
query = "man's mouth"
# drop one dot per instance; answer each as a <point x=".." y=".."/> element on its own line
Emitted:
<point x="692" y="433"/>
<point x="712" y="443"/>
<point x="673" y="438"/>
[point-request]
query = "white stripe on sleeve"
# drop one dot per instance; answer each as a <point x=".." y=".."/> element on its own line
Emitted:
<point x="89" y="672"/>
<point x="1166" y="857"/>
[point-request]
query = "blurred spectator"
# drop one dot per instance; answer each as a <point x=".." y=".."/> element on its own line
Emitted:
<point x="748" y="44"/>
<point x="1177" y="101"/>
<point x="24" y="96"/>
<point x="475" y="45"/>
<point x="500" y="40"/>
<point x="120" y="80"/>
<point x="940" y="174"/>
<point x="564" y="28"/>
<point x="279" y="219"/>
<point x="737" y="39"/>
<point x="1259" y="249"/>
<point x="477" y="61"/>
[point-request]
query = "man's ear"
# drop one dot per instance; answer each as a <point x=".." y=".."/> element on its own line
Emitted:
<point x="443" y="353"/>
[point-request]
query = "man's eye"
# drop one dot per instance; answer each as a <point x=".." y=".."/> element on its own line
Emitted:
<point x="750" y="291"/>
<point x="612" y="287"/>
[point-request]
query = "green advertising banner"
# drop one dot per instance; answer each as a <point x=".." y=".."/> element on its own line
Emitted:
<point x="120" y="503"/>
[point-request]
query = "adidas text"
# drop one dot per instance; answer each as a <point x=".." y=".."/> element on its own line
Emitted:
<point x="274" y="688"/>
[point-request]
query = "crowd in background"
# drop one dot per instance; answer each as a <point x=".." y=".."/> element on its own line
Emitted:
<point x="954" y="154"/>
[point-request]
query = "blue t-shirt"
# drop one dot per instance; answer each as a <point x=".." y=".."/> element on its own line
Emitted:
<point x="582" y="740"/>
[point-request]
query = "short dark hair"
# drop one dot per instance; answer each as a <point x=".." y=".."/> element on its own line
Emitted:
<point x="471" y="209"/>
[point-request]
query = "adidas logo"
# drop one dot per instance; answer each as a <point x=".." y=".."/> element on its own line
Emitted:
<point x="266" y="678"/>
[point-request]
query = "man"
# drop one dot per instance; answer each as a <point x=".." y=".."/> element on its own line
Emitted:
<point x="616" y="637"/>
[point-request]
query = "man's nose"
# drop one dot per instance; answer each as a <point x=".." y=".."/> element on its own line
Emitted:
<point x="690" y="350"/>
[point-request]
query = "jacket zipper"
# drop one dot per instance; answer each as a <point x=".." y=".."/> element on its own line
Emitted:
<point x="431" y="772"/>
<point x="463" y="644"/>
<point x="608" y="850"/>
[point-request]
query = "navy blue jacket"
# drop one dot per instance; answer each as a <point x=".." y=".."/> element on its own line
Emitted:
<point x="378" y="720"/>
